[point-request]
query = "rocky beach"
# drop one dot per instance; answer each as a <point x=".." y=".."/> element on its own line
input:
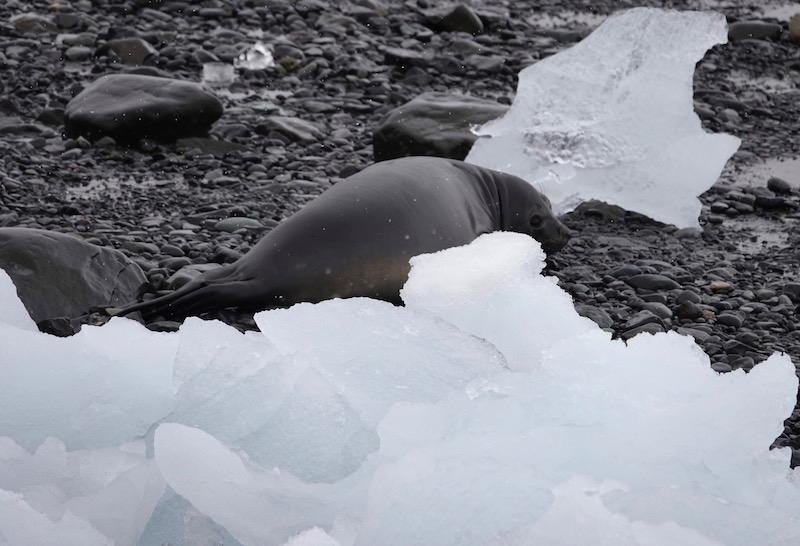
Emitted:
<point x="283" y="99"/>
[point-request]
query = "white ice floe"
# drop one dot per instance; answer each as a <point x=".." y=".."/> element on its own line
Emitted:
<point x="612" y="118"/>
<point x="485" y="412"/>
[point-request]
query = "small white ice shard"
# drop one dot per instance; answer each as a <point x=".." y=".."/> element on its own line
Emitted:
<point x="218" y="73"/>
<point x="256" y="57"/>
<point x="612" y="119"/>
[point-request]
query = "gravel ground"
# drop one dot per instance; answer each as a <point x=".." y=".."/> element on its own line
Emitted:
<point x="733" y="285"/>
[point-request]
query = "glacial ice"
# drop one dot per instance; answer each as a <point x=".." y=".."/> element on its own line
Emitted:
<point x="255" y="57"/>
<point x="612" y="119"/>
<point x="485" y="412"/>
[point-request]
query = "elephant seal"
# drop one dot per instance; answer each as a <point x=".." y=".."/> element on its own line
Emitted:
<point x="357" y="237"/>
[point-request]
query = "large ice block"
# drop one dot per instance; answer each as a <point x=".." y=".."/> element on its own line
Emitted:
<point x="612" y="118"/>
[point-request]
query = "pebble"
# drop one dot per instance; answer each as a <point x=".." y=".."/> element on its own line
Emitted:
<point x="652" y="282"/>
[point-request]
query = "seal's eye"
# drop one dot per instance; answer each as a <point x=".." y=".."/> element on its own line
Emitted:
<point x="536" y="221"/>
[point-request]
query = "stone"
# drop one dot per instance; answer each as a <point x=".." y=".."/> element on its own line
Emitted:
<point x="295" y="129"/>
<point x="596" y="314"/>
<point x="32" y="23"/>
<point x="730" y="319"/>
<point x="59" y="275"/>
<point x="650" y="281"/>
<point x="779" y="185"/>
<point x="754" y="30"/>
<point x="78" y="53"/>
<point x="405" y="58"/>
<point x="458" y="18"/>
<point x="720" y="286"/>
<point x="132" y="51"/>
<point x="130" y="107"/>
<point x="234" y="224"/>
<point x="433" y="124"/>
<point x="650" y="328"/>
<point x="792" y="290"/>
<point x="794" y="27"/>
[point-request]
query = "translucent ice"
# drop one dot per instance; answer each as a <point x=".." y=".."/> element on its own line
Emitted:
<point x="484" y="412"/>
<point x="218" y="73"/>
<point x="14" y="312"/>
<point x="256" y="57"/>
<point x="612" y="119"/>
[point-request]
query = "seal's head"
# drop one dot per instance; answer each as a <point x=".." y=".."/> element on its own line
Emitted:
<point x="524" y="210"/>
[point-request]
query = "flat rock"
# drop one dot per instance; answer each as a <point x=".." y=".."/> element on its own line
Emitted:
<point x="130" y="107"/>
<point x="59" y="275"/>
<point x="433" y="124"/>
<point x="295" y="129"/>
<point x="754" y="30"/>
<point x="649" y="281"/>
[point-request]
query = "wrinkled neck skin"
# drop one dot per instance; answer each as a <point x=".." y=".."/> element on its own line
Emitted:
<point x="492" y="190"/>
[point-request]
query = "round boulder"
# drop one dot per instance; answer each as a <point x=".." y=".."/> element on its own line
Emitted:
<point x="130" y="107"/>
<point x="61" y="276"/>
<point x="433" y="124"/>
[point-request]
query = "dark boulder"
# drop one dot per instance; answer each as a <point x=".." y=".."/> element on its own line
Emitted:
<point x="458" y="18"/>
<point x="60" y="276"/>
<point x="130" y="107"/>
<point x="433" y="124"/>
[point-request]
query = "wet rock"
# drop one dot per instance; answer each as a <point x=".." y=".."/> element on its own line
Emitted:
<point x="133" y="51"/>
<point x="234" y="224"/>
<point x="720" y="287"/>
<point x="295" y="129"/>
<point x="730" y="319"/>
<point x="458" y="18"/>
<point x="596" y="314"/>
<point x="32" y="23"/>
<point x="779" y="185"/>
<point x="433" y="124"/>
<point x="651" y="281"/>
<point x="405" y="58"/>
<point x="130" y="107"/>
<point x="649" y="328"/>
<point x="754" y="30"/>
<point x="59" y="275"/>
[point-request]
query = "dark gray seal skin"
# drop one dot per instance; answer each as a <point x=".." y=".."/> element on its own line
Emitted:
<point x="357" y="237"/>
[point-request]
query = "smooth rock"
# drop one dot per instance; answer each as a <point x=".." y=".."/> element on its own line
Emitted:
<point x="59" y="275"/>
<point x="131" y="107"/>
<point x="458" y="18"/>
<point x="433" y="124"/>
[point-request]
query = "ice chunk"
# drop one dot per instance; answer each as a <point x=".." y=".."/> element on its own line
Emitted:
<point x="357" y="422"/>
<point x="177" y="523"/>
<point x="512" y="305"/>
<point x="103" y="386"/>
<point x="111" y="492"/>
<point x="21" y="524"/>
<point x="255" y="507"/>
<point x="313" y="537"/>
<point x="218" y="73"/>
<point x="14" y="312"/>
<point x="256" y="57"/>
<point x="612" y="119"/>
<point x="376" y="354"/>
